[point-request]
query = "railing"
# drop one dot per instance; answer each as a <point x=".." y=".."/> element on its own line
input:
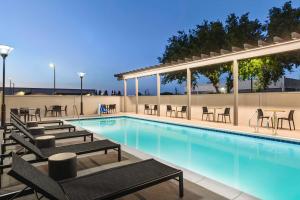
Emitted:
<point x="256" y="127"/>
<point x="75" y="112"/>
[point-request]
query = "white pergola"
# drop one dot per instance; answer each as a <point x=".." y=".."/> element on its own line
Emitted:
<point x="250" y="51"/>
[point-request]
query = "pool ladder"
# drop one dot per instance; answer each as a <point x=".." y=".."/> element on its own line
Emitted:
<point x="75" y="112"/>
<point x="256" y="127"/>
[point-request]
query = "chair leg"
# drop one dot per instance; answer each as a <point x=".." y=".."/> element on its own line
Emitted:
<point x="229" y="119"/>
<point x="261" y="123"/>
<point x="281" y="122"/>
<point x="290" y="125"/>
<point x="294" y="124"/>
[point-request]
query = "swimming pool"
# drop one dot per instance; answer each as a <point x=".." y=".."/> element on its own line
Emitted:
<point x="265" y="168"/>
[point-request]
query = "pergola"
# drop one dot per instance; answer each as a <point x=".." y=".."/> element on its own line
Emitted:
<point x="224" y="56"/>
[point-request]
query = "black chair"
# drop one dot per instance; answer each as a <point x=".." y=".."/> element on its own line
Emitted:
<point x="182" y="111"/>
<point x="147" y="109"/>
<point x="15" y="111"/>
<point x="24" y="112"/>
<point x="106" y="184"/>
<point x="47" y="110"/>
<point x="224" y="115"/>
<point x="65" y="109"/>
<point x="290" y="119"/>
<point x="154" y="110"/>
<point x="170" y="110"/>
<point x="261" y="116"/>
<point x="205" y="112"/>
<point x="36" y="114"/>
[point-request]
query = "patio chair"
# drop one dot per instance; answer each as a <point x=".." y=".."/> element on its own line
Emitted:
<point x="58" y="136"/>
<point x="154" y="110"/>
<point x="24" y="112"/>
<point x="182" y="111"/>
<point x="47" y="128"/>
<point x="36" y="114"/>
<point x="107" y="184"/>
<point x="42" y="154"/>
<point x="224" y="115"/>
<point x="261" y="116"/>
<point x="205" y="112"/>
<point x="170" y="110"/>
<point x="15" y="111"/>
<point x="47" y="110"/>
<point x="290" y="119"/>
<point x="147" y="109"/>
<point x="65" y="109"/>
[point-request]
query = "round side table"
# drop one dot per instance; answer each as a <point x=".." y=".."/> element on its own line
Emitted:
<point x="45" y="141"/>
<point x="37" y="130"/>
<point x="62" y="166"/>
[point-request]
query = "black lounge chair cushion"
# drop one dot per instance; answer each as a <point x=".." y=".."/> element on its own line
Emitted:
<point x="51" y="122"/>
<point x="54" y="127"/>
<point x="107" y="184"/>
<point x="62" y="135"/>
<point x="75" y="148"/>
<point x="81" y="148"/>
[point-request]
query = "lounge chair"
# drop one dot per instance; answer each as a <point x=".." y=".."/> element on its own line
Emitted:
<point x="47" y="128"/>
<point x="103" y="185"/>
<point x="54" y="121"/>
<point x="42" y="154"/>
<point x="58" y="136"/>
<point x="290" y="119"/>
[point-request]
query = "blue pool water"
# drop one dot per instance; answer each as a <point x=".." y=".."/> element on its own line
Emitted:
<point x="264" y="168"/>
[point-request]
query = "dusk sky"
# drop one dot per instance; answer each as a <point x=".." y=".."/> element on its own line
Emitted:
<point x="102" y="37"/>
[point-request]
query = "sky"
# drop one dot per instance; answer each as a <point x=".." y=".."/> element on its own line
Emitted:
<point x="102" y="37"/>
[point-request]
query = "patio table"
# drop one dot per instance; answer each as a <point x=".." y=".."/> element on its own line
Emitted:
<point x="27" y="112"/>
<point x="215" y="111"/>
<point x="275" y="118"/>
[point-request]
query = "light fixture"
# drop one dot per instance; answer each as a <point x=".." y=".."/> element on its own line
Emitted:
<point x="81" y="74"/>
<point x="52" y="65"/>
<point x="4" y="51"/>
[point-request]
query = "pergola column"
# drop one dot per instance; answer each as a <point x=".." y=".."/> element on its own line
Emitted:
<point x="235" y="92"/>
<point x="125" y="95"/>
<point x="136" y="95"/>
<point x="188" y="92"/>
<point x="158" y="93"/>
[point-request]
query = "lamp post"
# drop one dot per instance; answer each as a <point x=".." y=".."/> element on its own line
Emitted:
<point x="81" y="75"/>
<point x="52" y="65"/>
<point x="4" y="51"/>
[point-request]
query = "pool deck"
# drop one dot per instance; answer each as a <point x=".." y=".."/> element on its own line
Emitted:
<point x="93" y="162"/>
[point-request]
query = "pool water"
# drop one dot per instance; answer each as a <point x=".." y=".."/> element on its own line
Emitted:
<point x="264" y="168"/>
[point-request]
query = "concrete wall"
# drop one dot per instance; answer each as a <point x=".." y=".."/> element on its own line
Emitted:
<point x="248" y="103"/>
<point x="90" y="103"/>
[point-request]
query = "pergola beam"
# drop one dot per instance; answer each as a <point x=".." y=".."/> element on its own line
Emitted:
<point x="188" y="92"/>
<point x="283" y="47"/>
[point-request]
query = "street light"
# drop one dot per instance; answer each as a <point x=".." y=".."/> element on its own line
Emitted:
<point x="10" y="84"/>
<point x="52" y="65"/>
<point x="81" y="75"/>
<point x="4" y="51"/>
